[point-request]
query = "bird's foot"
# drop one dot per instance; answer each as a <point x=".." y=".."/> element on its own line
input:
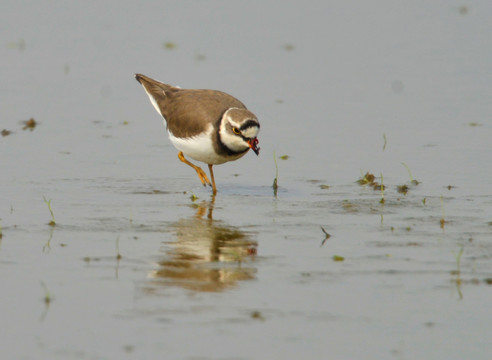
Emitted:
<point x="203" y="177"/>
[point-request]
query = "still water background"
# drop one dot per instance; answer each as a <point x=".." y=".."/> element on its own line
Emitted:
<point x="143" y="262"/>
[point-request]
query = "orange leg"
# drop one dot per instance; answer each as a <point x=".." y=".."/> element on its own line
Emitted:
<point x="201" y="174"/>
<point x="213" y="179"/>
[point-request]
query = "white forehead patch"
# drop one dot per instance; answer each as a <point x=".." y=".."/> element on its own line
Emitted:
<point x="229" y="118"/>
<point x="233" y="123"/>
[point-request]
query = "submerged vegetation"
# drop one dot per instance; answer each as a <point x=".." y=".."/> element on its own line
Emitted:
<point x="412" y="180"/>
<point x="442" y="221"/>
<point x="365" y="179"/>
<point x="275" y="181"/>
<point x="381" y="187"/>
<point x="48" y="203"/>
<point x="257" y="315"/>
<point x="370" y="180"/>
<point x="193" y="197"/>
<point x="288" y="47"/>
<point x="169" y="45"/>
<point x="327" y="236"/>
<point x="47" y="298"/>
<point x="29" y="124"/>
<point x="20" y="45"/>
<point x="402" y="189"/>
<point x="117" y="245"/>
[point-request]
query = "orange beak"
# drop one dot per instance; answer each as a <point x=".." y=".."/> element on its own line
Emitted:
<point x="253" y="144"/>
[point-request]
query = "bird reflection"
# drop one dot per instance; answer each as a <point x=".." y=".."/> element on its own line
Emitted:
<point x="207" y="255"/>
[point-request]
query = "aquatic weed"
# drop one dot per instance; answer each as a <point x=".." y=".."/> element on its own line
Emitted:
<point x="382" y="190"/>
<point x="257" y="315"/>
<point x="29" y="124"/>
<point x="193" y="197"/>
<point x="47" y="246"/>
<point x="47" y="295"/>
<point x="48" y="203"/>
<point x="412" y="180"/>
<point x="118" y="255"/>
<point x="288" y="47"/>
<point x="169" y="45"/>
<point x="47" y="299"/>
<point x="275" y="181"/>
<point x="442" y="221"/>
<point x="19" y="45"/>
<point x="327" y="236"/>
<point x="458" y="258"/>
<point x="458" y="280"/>
<point x="402" y="189"/>
<point x="365" y="179"/>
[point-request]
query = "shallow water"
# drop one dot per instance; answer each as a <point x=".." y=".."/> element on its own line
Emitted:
<point x="143" y="261"/>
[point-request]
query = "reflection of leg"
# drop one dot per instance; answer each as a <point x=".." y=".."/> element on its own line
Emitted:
<point x="204" y="206"/>
<point x="201" y="174"/>
<point x="211" y="207"/>
<point x="200" y="211"/>
<point x="213" y="179"/>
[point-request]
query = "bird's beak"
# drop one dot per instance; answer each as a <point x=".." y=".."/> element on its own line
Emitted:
<point x="253" y="144"/>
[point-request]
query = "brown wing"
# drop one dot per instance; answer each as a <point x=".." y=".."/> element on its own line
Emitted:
<point x="156" y="89"/>
<point x="189" y="112"/>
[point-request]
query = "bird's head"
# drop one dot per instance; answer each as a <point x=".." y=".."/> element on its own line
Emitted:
<point x="239" y="130"/>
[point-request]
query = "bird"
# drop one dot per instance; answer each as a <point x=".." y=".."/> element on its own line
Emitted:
<point x="209" y="126"/>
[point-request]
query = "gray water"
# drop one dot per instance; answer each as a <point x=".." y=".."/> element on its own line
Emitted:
<point x="144" y="262"/>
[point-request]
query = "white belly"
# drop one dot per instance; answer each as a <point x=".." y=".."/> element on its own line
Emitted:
<point x="200" y="148"/>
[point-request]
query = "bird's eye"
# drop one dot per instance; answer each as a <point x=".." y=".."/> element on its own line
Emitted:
<point x="236" y="131"/>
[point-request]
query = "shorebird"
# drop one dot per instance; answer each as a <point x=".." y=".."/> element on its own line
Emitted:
<point x="206" y="125"/>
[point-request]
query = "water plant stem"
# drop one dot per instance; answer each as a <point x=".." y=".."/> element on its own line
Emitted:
<point x="275" y="181"/>
<point x="48" y="203"/>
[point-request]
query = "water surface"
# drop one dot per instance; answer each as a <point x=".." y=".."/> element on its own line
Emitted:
<point x="143" y="261"/>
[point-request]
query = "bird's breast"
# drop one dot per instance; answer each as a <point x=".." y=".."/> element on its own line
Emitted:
<point x="200" y="147"/>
